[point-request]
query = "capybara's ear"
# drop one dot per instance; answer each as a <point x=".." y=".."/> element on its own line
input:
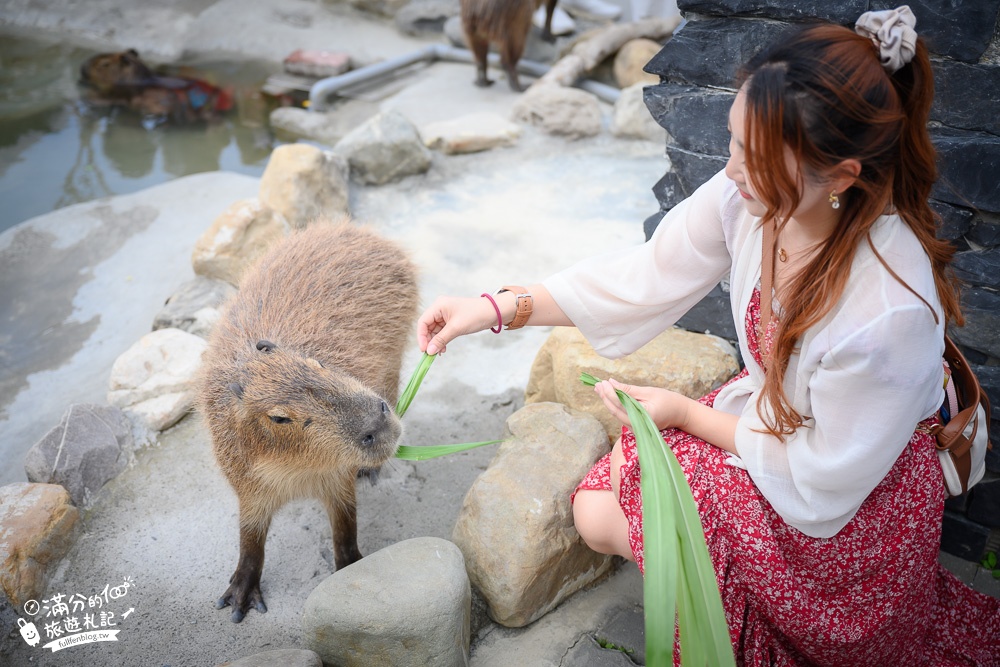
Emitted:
<point x="266" y="346"/>
<point x="132" y="52"/>
<point x="236" y="389"/>
<point x="314" y="362"/>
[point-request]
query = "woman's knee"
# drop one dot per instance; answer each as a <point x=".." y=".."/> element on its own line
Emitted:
<point x="600" y="522"/>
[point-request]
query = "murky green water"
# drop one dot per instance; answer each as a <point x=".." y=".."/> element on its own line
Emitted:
<point x="56" y="150"/>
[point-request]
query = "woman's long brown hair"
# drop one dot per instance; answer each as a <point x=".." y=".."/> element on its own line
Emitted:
<point x="823" y="93"/>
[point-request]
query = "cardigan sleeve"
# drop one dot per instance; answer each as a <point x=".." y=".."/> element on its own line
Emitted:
<point x="622" y="300"/>
<point x="866" y="396"/>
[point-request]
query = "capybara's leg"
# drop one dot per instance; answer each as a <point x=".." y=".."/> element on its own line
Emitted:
<point x="510" y="53"/>
<point x="244" y="586"/>
<point x="342" y="508"/>
<point x="550" y="6"/>
<point x="480" y="49"/>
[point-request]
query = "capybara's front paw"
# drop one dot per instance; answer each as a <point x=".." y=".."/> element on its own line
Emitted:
<point x="483" y="82"/>
<point x="242" y="596"/>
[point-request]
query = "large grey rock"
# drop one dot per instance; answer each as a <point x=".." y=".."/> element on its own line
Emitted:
<point x="90" y="446"/>
<point x="968" y="163"/>
<point x="982" y="322"/>
<point x="693" y="169"/>
<point x="194" y="307"/>
<point x="386" y="148"/>
<point x="631" y="59"/>
<point x="516" y="528"/>
<point x="955" y="106"/>
<point x="153" y="381"/>
<point x="302" y="183"/>
<point x="980" y="268"/>
<point x="955" y="221"/>
<point x="285" y="657"/>
<point x="379" y="7"/>
<point x="692" y="364"/>
<point x="959" y="30"/>
<point x="407" y="604"/>
<point x="235" y="239"/>
<point x="985" y="231"/>
<point x="317" y="125"/>
<point x="632" y="120"/>
<point x="568" y="112"/>
<point x="38" y="525"/>
<point x="695" y="118"/>
<point x="421" y="17"/>
<point x="844" y="12"/>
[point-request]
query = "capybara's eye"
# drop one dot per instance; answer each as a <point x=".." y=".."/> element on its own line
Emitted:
<point x="277" y="419"/>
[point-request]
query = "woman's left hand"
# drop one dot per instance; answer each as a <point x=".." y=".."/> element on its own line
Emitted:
<point x="668" y="409"/>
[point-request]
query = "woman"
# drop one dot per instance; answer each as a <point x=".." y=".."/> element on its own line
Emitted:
<point x="814" y="471"/>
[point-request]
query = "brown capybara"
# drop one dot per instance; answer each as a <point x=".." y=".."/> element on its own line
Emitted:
<point x="123" y="79"/>
<point x="505" y="23"/>
<point x="297" y="381"/>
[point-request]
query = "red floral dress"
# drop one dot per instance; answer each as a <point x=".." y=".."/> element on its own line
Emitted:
<point x="874" y="594"/>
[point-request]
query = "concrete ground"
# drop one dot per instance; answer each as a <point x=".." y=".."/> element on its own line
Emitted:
<point x="95" y="274"/>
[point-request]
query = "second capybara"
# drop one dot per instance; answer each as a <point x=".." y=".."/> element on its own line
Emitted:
<point x="298" y="379"/>
<point x="123" y="79"/>
<point x="505" y="23"/>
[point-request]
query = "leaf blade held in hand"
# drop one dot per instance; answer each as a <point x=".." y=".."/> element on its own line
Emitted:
<point x="410" y="390"/>
<point x="424" y="452"/>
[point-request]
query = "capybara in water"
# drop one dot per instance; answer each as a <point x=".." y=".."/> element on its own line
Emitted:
<point x="505" y="23"/>
<point x="123" y="79"/>
<point x="297" y="382"/>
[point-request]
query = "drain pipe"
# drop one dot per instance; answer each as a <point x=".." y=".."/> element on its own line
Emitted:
<point x="323" y="89"/>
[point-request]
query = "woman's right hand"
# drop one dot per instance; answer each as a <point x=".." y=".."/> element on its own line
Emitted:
<point x="450" y="317"/>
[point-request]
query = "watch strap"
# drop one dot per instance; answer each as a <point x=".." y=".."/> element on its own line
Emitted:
<point x="525" y="302"/>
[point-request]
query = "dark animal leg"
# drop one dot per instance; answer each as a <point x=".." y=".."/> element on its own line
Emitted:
<point x="550" y="6"/>
<point x="510" y="53"/>
<point x="342" y="509"/>
<point x="480" y="48"/>
<point x="244" y="585"/>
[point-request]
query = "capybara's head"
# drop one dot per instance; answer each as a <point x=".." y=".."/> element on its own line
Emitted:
<point x="111" y="72"/>
<point x="293" y="411"/>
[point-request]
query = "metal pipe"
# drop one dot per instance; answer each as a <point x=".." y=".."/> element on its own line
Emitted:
<point x="324" y="88"/>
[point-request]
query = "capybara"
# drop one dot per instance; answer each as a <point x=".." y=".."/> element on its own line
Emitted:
<point x="505" y="23"/>
<point x="298" y="379"/>
<point x="123" y="79"/>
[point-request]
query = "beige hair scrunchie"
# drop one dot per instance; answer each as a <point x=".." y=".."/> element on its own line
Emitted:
<point x="892" y="31"/>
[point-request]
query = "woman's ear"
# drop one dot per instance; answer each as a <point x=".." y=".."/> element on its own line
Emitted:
<point x="845" y="174"/>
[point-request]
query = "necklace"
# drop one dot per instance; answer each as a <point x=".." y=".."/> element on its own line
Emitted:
<point x="782" y="255"/>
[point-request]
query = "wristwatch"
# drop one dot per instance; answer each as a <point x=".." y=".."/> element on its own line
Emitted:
<point x="524" y="305"/>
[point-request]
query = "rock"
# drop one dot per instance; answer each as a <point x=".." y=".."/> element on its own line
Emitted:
<point x="320" y="126"/>
<point x="968" y="163"/>
<point x="38" y="525"/>
<point x="689" y="363"/>
<point x="194" y="307"/>
<point x="568" y="112"/>
<point x="286" y="657"/>
<point x="631" y="118"/>
<point x="984" y="505"/>
<point x="422" y="17"/>
<point x="955" y="107"/>
<point x="695" y="118"/>
<point x="317" y="63"/>
<point x="454" y="33"/>
<point x="153" y="380"/>
<point x="90" y="446"/>
<point x="515" y="527"/>
<point x="302" y="182"/>
<point x="407" y="604"/>
<point x="982" y="322"/>
<point x="236" y="239"/>
<point x="845" y="13"/>
<point x="470" y="133"/>
<point x="386" y="8"/>
<point x="985" y="232"/>
<point x="386" y="148"/>
<point x="962" y="537"/>
<point x="630" y="60"/>
<point x="978" y="267"/>
<point x="693" y="169"/>
<point x="669" y="192"/>
<point x="712" y="315"/>
<point x="955" y="221"/>
<point x="709" y="52"/>
<point x="963" y="35"/>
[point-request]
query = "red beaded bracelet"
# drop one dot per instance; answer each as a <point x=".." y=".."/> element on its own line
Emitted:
<point x="499" y="326"/>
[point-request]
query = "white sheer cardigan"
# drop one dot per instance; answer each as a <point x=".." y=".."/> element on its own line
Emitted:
<point x="864" y="376"/>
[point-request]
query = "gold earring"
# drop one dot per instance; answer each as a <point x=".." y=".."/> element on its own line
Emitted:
<point x="834" y="200"/>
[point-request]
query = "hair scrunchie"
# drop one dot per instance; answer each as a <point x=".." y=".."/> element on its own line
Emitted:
<point x="892" y="32"/>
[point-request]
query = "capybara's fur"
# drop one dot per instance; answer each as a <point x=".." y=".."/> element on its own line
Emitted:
<point x="123" y="79"/>
<point x="297" y="382"/>
<point x="505" y="23"/>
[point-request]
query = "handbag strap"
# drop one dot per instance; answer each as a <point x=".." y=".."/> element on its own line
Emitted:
<point x="766" y="283"/>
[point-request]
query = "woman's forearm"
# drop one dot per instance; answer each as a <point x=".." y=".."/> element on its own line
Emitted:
<point x="713" y="426"/>
<point x="545" y="311"/>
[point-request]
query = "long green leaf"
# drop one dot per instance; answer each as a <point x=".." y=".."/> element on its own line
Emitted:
<point x="425" y="452"/>
<point x="410" y="390"/>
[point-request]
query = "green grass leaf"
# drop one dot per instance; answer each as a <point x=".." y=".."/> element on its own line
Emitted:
<point x="410" y="390"/>
<point x="422" y="453"/>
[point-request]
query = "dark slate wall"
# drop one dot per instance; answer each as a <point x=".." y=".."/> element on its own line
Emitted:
<point x="697" y="68"/>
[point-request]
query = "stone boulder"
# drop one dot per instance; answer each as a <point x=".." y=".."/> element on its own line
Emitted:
<point x="153" y="381"/>
<point x="194" y="307"/>
<point x="235" y="239"/>
<point x="425" y="17"/>
<point x="567" y="112"/>
<point x="630" y="60"/>
<point x="90" y="446"/>
<point x="286" y="657"/>
<point x="302" y="183"/>
<point x="632" y="120"/>
<point x="692" y="364"/>
<point x="316" y="125"/>
<point x="470" y="133"/>
<point x="407" y="604"/>
<point x="515" y="527"/>
<point x="386" y="148"/>
<point x="386" y="8"/>
<point x="38" y="525"/>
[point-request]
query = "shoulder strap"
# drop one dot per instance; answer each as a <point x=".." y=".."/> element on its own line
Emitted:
<point x="766" y="281"/>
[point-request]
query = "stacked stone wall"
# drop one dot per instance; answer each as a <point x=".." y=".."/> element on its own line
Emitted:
<point x="697" y="70"/>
